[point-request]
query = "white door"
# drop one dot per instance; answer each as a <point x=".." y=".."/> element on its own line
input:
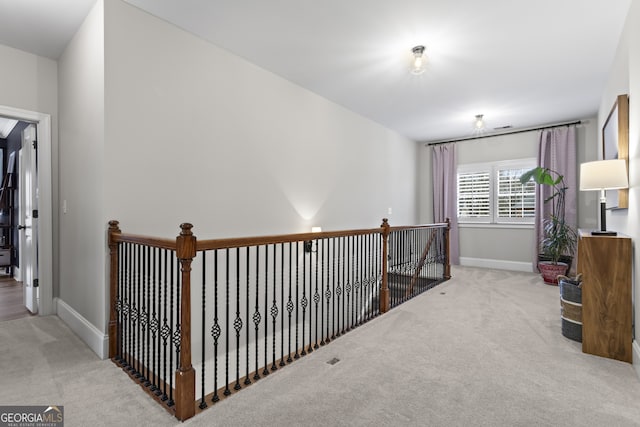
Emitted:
<point x="28" y="226"/>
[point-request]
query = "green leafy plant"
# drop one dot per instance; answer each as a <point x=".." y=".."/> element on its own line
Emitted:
<point x="559" y="237"/>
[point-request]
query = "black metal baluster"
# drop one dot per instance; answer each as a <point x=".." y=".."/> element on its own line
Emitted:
<point x="118" y="301"/>
<point x="237" y="323"/>
<point x="316" y="294"/>
<point x="138" y="340"/>
<point x="297" y="355"/>
<point x="145" y="318"/>
<point x="215" y="328"/>
<point x="176" y="332"/>
<point x="309" y="257"/>
<point x="126" y="309"/>
<point x="356" y="253"/>
<point x="362" y="283"/>
<point x="203" y="402"/>
<point x="282" y="363"/>
<point x="265" y="369"/>
<point x="153" y="324"/>
<point x="159" y="378"/>
<point x="165" y="331"/>
<point x="247" y="380"/>
<point x="349" y="289"/>
<point x="328" y="292"/>
<point x="274" y="312"/>
<point x="132" y="309"/>
<point x="365" y="278"/>
<point x="290" y="301"/>
<point x="256" y="314"/>
<point x="338" y="287"/>
<point x="371" y="277"/>
<point x="227" y="392"/>
<point x="344" y="274"/>
<point x="353" y="256"/>
<point x="333" y="281"/>
<point x="303" y="302"/>
<point x="170" y="402"/>
<point x="129" y="307"/>
<point x="324" y="295"/>
<point x="357" y="268"/>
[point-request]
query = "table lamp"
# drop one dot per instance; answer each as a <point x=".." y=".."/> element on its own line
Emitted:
<point x="603" y="175"/>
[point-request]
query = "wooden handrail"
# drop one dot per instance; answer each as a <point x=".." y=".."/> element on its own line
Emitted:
<point x="241" y="242"/>
<point x="414" y="227"/>
<point x="154" y="242"/>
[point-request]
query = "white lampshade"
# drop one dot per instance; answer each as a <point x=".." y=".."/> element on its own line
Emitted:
<point x="603" y="175"/>
<point x="316" y="229"/>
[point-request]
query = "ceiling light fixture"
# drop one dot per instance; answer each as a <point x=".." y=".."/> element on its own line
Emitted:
<point x="478" y="123"/>
<point x="419" y="60"/>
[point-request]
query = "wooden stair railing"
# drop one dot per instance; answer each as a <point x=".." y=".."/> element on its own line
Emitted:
<point x="130" y="252"/>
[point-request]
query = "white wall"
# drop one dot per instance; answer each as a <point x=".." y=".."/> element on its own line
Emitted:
<point x="82" y="229"/>
<point x="504" y="246"/>
<point x="159" y="127"/>
<point x="196" y="134"/>
<point x="30" y="82"/>
<point x="624" y="77"/>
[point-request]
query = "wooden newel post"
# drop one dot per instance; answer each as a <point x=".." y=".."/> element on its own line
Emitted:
<point x="447" y="264"/>
<point x="113" y="288"/>
<point x="385" y="301"/>
<point x="185" y="375"/>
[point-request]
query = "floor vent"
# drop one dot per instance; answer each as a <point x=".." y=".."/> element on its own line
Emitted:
<point x="333" y="361"/>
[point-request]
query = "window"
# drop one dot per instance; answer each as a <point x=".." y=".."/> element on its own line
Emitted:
<point x="491" y="193"/>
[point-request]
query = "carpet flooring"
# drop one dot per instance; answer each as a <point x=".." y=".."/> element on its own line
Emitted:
<point x="483" y="349"/>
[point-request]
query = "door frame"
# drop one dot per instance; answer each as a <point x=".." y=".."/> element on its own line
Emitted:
<point x="45" y="203"/>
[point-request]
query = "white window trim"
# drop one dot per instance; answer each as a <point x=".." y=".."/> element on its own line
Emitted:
<point x="493" y="167"/>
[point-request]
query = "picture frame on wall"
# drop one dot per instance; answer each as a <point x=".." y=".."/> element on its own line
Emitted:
<point x="615" y="145"/>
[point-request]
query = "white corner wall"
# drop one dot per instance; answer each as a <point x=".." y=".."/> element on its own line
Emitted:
<point x="83" y="292"/>
<point x="624" y="77"/>
<point x="30" y="82"/>
<point x="196" y="134"/>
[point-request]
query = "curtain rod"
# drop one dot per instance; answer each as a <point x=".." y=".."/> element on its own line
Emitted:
<point x="503" y="133"/>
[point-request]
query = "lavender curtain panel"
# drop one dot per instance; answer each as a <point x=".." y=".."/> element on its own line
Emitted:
<point x="556" y="151"/>
<point x="445" y="195"/>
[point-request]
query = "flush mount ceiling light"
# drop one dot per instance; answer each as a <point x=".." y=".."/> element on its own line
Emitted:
<point x="418" y="61"/>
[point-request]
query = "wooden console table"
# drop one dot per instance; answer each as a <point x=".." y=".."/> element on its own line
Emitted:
<point x="605" y="264"/>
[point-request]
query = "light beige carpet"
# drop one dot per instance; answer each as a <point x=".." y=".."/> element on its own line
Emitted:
<point x="483" y="349"/>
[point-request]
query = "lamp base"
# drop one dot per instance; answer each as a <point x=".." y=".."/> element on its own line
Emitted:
<point x="603" y="233"/>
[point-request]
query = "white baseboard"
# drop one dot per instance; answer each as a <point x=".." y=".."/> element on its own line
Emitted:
<point x="497" y="264"/>
<point x="636" y="357"/>
<point x="94" y="338"/>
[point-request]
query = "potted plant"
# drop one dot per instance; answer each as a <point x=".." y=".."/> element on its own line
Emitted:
<point x="559" y="238"/>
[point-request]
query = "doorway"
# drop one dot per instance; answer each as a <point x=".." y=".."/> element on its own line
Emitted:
<point x="36" y="234"/>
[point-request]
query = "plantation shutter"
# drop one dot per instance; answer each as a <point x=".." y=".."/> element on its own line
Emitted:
<point x="514" y="199"/>
<point x="474" y="195"/>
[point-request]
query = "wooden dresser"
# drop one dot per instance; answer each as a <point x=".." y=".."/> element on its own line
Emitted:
<point x="605" y="264"/>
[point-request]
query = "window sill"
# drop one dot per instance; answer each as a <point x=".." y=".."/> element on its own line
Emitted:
<point x="493" y="225"/>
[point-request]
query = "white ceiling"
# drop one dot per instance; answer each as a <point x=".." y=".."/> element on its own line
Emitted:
<point x="520" y="63"/>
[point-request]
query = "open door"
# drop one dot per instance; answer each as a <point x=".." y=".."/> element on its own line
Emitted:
<point x="28" y="217"/>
